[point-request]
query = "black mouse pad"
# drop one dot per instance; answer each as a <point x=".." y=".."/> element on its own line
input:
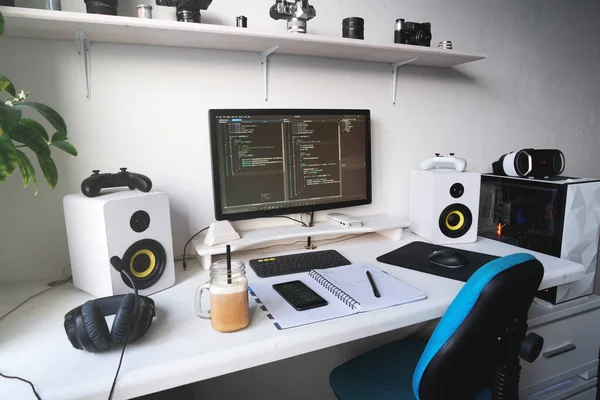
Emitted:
<point x="415" y="256"/>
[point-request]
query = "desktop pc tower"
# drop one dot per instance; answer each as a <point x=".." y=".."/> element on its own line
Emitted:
<point x="557" y="216"/>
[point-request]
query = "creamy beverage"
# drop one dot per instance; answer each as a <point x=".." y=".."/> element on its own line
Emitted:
<point x="228" y="288"/>
<point x="229" y="308"/>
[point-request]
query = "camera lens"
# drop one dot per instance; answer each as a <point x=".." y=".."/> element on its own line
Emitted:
<point x="188" y="10"/>
<point x="399" y="23"/>
<point x="457" y="190"/>
<point x="423" y="38"/>
<point x="107" y="7"/>
<point x="241" y="22"/>
<point x="353" y="28"/>
<point x="188" y="15"/>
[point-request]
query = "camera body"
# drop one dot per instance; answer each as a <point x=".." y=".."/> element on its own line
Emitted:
<point x="186" y="10"/>
<point x="414" y="33"/>
<point x="297" y="13"/>
<point x="106" y="7"/>
<point x="201" y="4"/>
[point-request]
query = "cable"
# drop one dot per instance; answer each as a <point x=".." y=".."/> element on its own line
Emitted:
<point x="37" y="396"/>
<point x="134" y="318"/>
<point x="187" y="257"/>
<point x="183" y="258"/>
<point x="277" y="245"/>
<point x="31" y="297"/>
<point x="186" y="245"/>
<point x="290" y="218"/>
<point x="112" y="388"/>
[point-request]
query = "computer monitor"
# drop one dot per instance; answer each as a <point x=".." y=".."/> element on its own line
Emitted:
<point x="274" y="162"/>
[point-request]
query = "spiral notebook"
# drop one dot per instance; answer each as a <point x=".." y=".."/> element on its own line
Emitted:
<point x="346" y="289"/>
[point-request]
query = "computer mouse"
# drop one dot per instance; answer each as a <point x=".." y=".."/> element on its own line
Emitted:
<point x="448" y="259"/>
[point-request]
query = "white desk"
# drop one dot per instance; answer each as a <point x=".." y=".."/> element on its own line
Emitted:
<point x="181" y="348"/>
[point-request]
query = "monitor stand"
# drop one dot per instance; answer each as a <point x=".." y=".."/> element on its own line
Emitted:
<point x="382" y="224"/>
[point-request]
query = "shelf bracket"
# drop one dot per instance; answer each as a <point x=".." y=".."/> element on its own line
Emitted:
<point x="264" y="65"/>
<point x="83" y="46"/>
<point x="395" y="67"/>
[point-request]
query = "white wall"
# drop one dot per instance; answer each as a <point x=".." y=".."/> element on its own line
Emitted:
<point x="539" y="87"/>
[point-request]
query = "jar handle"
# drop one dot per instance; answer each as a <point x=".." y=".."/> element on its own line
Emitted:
<point x="198" y="302"/>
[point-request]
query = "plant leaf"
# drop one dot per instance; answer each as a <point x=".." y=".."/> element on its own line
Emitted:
<point x="49" y="169"/>
<point x="66" y="147"/>
<point x="9" y="118"/>
<point x="27" y="171"/>
<point x="24" y="133"/>
<point x="52" y="116"/>
<point x="59" y="136"/>
<point x="1" y="24"/>
<point x="6" y="85"/>
<point x="34" y="126"/>
<point x="8" y="157"/>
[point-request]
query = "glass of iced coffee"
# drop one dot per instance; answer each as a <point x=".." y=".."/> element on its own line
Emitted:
<point x="228" y="289"/>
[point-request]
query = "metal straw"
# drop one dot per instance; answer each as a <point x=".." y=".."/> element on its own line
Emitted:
<point x="229" y="264"/>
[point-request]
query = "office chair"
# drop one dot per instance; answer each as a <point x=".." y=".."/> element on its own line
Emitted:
<point x="473" y="352"/>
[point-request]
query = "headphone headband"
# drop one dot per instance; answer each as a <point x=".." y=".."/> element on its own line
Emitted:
<point x="110" y="305"/>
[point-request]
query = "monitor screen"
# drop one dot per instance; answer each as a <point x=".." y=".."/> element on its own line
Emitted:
<point x="273" y="162"/>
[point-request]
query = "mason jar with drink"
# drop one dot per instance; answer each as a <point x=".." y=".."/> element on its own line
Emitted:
<point x="228" y="287"/>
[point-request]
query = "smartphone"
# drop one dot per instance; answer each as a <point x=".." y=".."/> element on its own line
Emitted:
<point x="300" y="296"/>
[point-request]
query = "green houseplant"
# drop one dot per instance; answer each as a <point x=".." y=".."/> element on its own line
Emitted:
<point x="18" y="133"/>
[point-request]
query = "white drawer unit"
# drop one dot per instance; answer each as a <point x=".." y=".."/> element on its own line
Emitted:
<point x="566" y="390"/>
<point x="589" y="394"/>
<point x="570" y="350"/>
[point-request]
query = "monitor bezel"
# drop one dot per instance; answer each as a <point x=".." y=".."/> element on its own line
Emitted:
<point x="217" y="201"/>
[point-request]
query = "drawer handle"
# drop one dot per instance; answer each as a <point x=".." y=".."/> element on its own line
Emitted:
<point x="558" y="351"/>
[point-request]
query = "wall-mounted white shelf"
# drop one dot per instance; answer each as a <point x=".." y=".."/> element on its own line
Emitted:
<point x="386" y="225"/>
<point x="62" y="25"/>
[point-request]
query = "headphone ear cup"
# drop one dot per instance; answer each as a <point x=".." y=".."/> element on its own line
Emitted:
<point x="123" y="319"/>
<point x="96" y="327"/>
<point x="144" y="318"/>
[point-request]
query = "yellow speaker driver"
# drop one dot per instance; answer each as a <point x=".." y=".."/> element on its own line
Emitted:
<point x="452" y="223"/>
<point x="149" y="268"/>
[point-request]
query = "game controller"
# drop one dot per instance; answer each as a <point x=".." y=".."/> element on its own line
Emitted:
<point x="92" y="185"/>
<point x="456" y="163"/>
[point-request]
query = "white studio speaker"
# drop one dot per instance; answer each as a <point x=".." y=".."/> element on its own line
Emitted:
<point x="131" y="225"/>
<point x="444" y="205"/>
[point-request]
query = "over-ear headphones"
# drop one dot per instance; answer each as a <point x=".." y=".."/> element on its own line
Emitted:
<point x="86" y="327"/>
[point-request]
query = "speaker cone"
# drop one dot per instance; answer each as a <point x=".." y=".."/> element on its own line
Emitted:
<point x="146" y="261"/>
<point x="455" y="221"/>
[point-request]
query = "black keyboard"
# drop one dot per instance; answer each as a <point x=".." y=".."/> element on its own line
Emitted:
<point x="294" y="263"/>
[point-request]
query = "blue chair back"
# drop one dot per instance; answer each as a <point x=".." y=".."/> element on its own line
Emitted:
<point x="460" y="358"/>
